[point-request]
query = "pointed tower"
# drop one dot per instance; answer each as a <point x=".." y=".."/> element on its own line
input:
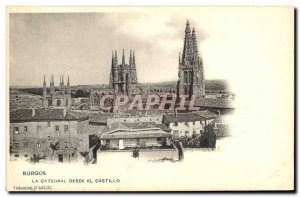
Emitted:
<point x="191" y="79"/>
<point x="68" y="86"/>
<point x="123" y="58"/>
<point x="52" y="88"/>
<point x="44" y="103"/>
<point x="111" y="70"/>
<point x="188" y="47"/>
<point x="63" y="88"/>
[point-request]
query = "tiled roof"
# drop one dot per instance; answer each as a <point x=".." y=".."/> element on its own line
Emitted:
<point x="135" y="133"/>
<point x="140" y="125"/>
<point x="206" y="114"/>
<point x="44" y="114"/>
<point x="182" y="117"/>
<point x="100" y="118"/>
<point x="217" y="103"/>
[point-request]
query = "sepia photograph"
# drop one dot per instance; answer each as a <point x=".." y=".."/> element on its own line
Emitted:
<point x="150" y="99"/>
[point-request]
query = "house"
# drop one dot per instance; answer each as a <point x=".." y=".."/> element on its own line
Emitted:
<point x="128" y="135"/>
<point x="220" y="105"/>
<point x="188" y="124"/>
<point x="50" y="133"/>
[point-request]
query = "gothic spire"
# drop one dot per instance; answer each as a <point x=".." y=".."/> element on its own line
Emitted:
<point x="62" y="79"/>
<point x="187" y="49"/>
<point x="116" y="58"/>
<point x="133" y="59"/>
<point x="130" y="58"/>
<point x="68" y="83"/>
<point x="44" y="79"/>
<point x="123" y="58"/>
<point x="112" y="58"/>
<point x="195" y="47"/>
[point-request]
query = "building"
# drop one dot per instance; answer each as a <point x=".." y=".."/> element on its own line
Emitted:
<point x="57" y="97"/>
<point x="220" y="106"/>
<point x="123" y="77"/>
<point x="188" y="124"/>
<point x="191" y="78"/>
<point x="51" y="133"/>
<point x="129" y="135"/>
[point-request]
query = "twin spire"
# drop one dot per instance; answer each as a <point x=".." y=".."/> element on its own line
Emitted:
<point x="61" y="80"/>
<point x="190" y="49"/>
<point x="115" y="58"/>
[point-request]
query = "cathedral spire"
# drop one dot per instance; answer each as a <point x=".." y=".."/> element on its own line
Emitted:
<point x="187" y="49"/>
<point x="116" y="58"/>
<point x="112" y="58"/>
<point x="130" y="58"/>
<point x="123" y="58"/>
<point x="133" y="59"/>
<point x="195" y="46"/>
<point x="68" y="83"/>
<point x="62" y="80"/>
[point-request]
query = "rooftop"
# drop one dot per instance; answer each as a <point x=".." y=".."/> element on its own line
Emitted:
<point x="135" y="133"/>
<point x="45" y="114"/>
<point x="189" y="117"/>
<point x="217" y="103"/>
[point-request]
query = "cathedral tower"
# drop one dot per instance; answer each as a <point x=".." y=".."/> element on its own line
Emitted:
<point x="191" y="79"/>
<point x="123" y="77"/>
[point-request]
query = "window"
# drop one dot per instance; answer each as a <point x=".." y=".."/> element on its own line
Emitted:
<point x="66" y="144"/>
<point x="38" y="128"/>
<point x="38" y="145"/>
<point x="124" y="120"/>
<point x="17" y="145"/>
<point x="159" y="139"/>
<point x="25" y="144"/>
<point x="138" y="120"/>
<point x="56" y="128"/>
<point x="186" y="123"/>
<point x="176" y="124"/>
<point x="107" y="141"/>
<point x="25" y="128"/>
<point x="66" y="127"/>
<point x="25" y="155"/>
<point x="16" y="130"/>
<point x="48" y="137"/>
<point x="48" y="124"/>
<point x="16" y="155"/>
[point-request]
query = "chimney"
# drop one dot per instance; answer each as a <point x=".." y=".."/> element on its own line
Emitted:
<point x="33" y="112"/>
<point x="64" y="112"/>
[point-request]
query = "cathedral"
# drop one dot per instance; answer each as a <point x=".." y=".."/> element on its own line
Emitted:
<point x="57" y="97"/>
<point x="191" y="79"/>
<point x="123" y="77"/>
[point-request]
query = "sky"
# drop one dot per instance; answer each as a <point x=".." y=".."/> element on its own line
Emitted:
<point x="81" y="44"/>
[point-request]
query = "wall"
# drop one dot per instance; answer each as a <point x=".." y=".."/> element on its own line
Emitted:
<point x="190" y="127"/>
<point x="34" y="141"/>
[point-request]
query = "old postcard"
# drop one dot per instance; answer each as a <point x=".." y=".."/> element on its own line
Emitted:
<point x="150" y="99"/>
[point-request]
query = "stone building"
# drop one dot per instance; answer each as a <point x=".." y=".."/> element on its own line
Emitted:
<point x="123" y="77"/>
<point x="191" y="79"/>
<point x="188" y="124"/>
<point x="34" y="131"/>
<point x="57" y="97"/>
